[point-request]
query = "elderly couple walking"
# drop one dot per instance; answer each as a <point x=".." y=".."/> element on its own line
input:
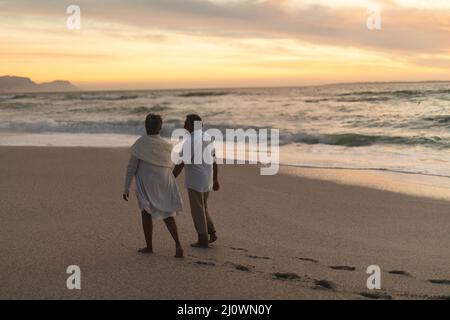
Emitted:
<point x="156" y="189"/>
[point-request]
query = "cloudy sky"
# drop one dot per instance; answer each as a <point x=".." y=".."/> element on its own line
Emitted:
<point x="220" y="43"/>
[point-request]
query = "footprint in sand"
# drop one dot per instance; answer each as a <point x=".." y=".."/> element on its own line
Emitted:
<point x="238" y="249"/>
<point x="374" y="295"/>
<point x="439" y="281"/>
<point x="324" y="284"/>
<point x="258" y="257"/>
<point x="308" y="260"/>
<point x="400" y="273"/>
<point x="343" y="268"/>
<point x="239" y="267"/>
<point x="206" y="263"/>
<point x="242" y="268"/>
<point x="286" y="276"/>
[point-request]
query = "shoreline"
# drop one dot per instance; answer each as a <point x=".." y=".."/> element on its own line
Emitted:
<point x="413" y="184"/>
<point x="409" y="183"/>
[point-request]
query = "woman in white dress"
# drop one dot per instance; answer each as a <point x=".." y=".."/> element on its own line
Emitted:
<point x="156" y="189"/>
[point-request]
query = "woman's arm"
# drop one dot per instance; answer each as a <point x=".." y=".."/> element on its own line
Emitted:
<point x="177" y="170"/>
<point x="131" y="172"/>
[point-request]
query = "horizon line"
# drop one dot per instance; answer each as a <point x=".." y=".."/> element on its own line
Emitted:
<point x="270" y="86"/>
<point x="225" y="87"/>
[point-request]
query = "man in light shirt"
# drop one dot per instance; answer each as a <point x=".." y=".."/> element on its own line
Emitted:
<point x="201" y="177"/>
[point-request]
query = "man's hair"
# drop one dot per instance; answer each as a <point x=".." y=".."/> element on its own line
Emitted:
<point x="153" y="123"/>
<point x="191" y="118"/>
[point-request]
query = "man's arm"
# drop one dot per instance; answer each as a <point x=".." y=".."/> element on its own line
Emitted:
<point x="177" y="170"/>
<point x="216" y="185"/>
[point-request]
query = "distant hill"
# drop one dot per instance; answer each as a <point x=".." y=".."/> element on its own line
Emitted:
<point x="22" y="84"/>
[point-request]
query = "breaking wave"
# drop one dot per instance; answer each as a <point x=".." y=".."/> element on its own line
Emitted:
<point x="203" y="94"/>
<point x="361" y="140"/>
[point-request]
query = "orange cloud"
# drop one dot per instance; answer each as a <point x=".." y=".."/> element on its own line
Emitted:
<point x="217" y="43"/>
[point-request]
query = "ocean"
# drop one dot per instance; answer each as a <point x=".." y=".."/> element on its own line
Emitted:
<point x="401" y="127"/>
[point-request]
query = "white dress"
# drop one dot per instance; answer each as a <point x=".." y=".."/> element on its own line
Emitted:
<point x="156" y="189"/>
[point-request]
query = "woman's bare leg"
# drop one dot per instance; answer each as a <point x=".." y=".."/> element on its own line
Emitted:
<point x="147" y="225"/>
<point x="172" y="227"/>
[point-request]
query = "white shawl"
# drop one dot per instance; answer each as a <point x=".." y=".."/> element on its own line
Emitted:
<point x="154" y="150"/>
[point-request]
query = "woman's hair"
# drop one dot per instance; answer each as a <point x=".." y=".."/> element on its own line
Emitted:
<point x="153" y="123"/>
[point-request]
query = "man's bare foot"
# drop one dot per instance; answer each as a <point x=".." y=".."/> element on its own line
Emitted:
<point x="212" y="237"/>
<point x="179" y="253"/>
<point x="200" y="245"/>
<point x="146" y="250"/>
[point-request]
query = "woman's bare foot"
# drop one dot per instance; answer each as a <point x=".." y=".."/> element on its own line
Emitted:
<point x="179" y="253"/>
<point x="146" y="250"/>
<point x="212" y="237"/>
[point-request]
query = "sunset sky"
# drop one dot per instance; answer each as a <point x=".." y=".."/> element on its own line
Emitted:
<point x="218" y="43"/>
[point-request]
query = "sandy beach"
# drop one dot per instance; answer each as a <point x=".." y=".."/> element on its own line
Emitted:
<point x="280" y="237"/>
